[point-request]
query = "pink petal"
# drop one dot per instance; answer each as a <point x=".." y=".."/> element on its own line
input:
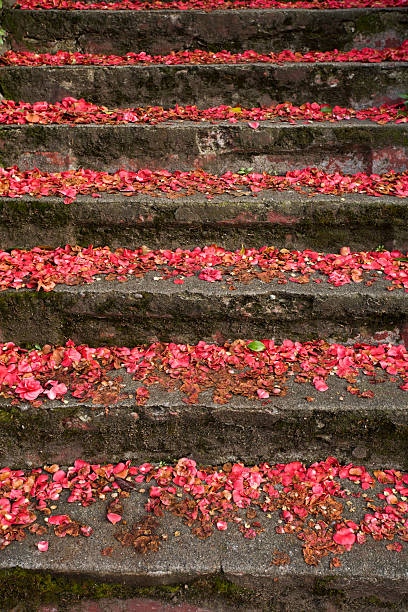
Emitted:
<point x="58" y="519"/>
<point x="113" y="518"/>
<point x="345" y="537"/>
<point x="58" y="476"/>
<point x="262" y="393"/>
<point x="221" y="525"/>
<point x="320" y="384"/>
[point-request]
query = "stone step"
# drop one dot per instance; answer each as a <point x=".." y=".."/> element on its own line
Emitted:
<point x="274" y="147"/>
<point x="144" y="310"/>
<point x="271" y="566"/>
<point x="305" y="423"/>
<point x="286" y="219"/>
<point x="345" y="84"/>
<point x="160" y="32"/>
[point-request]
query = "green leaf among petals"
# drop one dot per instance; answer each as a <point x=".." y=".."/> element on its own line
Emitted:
<point x="256" y="346"/>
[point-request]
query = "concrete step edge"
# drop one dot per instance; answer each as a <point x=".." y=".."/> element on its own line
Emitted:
<point x="271" y="562"/>
<point x="143" y="310"/>
<point x="161" y="31"/>
<point x="353" y="84"/>
<point x="286" y="219"/>
<point x="275" y="147"/>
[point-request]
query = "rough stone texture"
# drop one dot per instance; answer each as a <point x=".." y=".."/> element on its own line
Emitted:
<point x="345" y="84"/>
<point x="352" y="146"/>
<point x="128" y="605"/>
<point x="370" y="574"/>
<point x="164" y="31"/>
<point x="145" y="310"/>
<point x="286" y="219"/>
<point x="359" y="430"/>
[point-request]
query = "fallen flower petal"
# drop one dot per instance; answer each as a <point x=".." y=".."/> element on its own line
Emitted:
<point x="15" y="183"/>
<point x="345" y="537"/>
<point x="222" y="525"/>
<point x="206" y="5"/>
<point x="320" y="384"/>
<point x="58" y="519"/>
<point x="262" y="393"/>
<point x="74" y="112"/>
<point x="113" y="517"/>
<point x="198" y="56"/>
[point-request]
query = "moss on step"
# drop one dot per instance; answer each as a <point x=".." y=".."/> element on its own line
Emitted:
<point x="57" y="213"/>
<point x="368" y="23"/>
<point x="28" y="590"/>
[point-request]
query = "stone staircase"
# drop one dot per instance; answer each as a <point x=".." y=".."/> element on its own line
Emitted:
<point x="290" y="428"/>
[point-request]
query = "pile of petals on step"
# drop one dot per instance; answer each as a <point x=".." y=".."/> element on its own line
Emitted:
<point x="256" y="370"/>
<point x="15" y="183"/>
<point x="206" y="5"/>
<point x="311" y="503"/>
<point x="73" y="112"/>
<point x="41" y="268"/>
<point x="62" y="58"/>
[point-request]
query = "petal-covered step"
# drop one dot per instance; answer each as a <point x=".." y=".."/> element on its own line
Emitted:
<point x="285" y="531"/>
<point x="348" y="146"/>
<point x="160" y="31"/>
<point x="291" y="401"/>
<point x="345" y="84"/>
<point x="306" y="424"/>
<point x="207" y="294"/>
<point x="223" y="214"/>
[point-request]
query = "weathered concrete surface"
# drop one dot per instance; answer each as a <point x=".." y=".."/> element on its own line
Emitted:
<point x="145" y="310"/>
<point x="371" y="431"/>
<point x="131" y="605"/>
<point x="369" y="574"/>
<point x="160" y="32"/>
<point x="349" y="146"/>
<point x="286" y="219"/>
<point x="346" y="84"/>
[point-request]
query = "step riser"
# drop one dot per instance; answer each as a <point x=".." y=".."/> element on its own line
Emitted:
<point x="170" y="313"/>
<point x="356" y="85"/>
<point x="282" y="431"/>
<point x="160" y="32"/>
<point x="216" y="148"/>
<point x="285" y="220"/>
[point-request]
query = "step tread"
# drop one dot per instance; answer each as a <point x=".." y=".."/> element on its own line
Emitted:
<point x="141" y="310"/>
<point x="333" y="422"/>
<point x="185" y="558"/>
<point x="177" y="124"/>
<point x="366" y="569"/>
<point x="120" y="417"/>
<point x="220" y="289"/>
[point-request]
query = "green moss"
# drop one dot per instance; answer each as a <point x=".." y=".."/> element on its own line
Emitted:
<point x="32" y="589"/>
<point x="8" y="416"/>
<point x="29" y="590"/>
<point x="369" y="23"/>
<point x="378" y="603"/>
<point x="22" y="300"/>
<point x="231" y="590"/>
<point x="323" y="588"/>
